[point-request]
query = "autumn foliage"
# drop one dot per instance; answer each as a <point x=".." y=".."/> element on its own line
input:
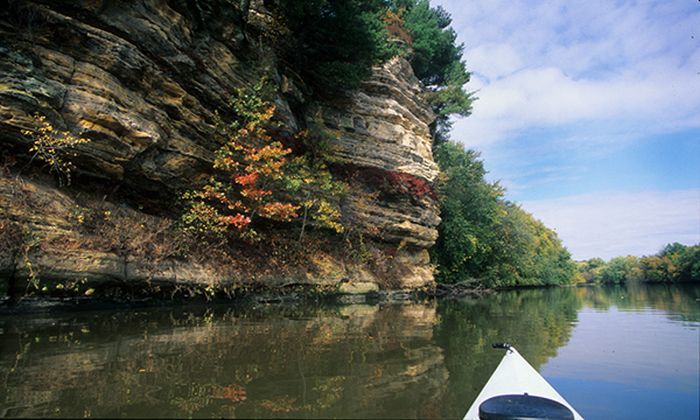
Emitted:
<point x="396" y="27"/>
<point x="54" y="148"/>
<point x="257" y="177"/>
<point x="412" y="185"/>
<point x="250" y="176"/>
<point x="391" y="182"/>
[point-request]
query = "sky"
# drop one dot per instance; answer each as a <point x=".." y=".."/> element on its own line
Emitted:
<point x="588" y="112"/>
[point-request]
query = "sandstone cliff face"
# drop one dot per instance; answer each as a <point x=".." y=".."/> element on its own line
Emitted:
<point x="142" y="81"/>
<point x="384" y="126"/>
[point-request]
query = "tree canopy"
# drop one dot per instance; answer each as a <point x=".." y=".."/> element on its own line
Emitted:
<point x="334" y="44"/>
<point x="437" y="61"/>
<point x="484" y="237"/>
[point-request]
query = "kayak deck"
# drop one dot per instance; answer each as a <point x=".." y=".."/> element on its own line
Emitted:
<point x="514" y="375"/>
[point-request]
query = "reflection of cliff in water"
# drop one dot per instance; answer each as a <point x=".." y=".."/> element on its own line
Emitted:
<point x="536" y="321"/>
<point x="352" y="361"/>
<point x="405" y="360"/>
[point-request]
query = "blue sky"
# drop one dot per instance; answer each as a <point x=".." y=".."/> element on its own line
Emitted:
<point x="589" y="115"/>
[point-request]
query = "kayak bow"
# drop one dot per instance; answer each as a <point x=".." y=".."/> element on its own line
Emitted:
<point x="517" y="379"/>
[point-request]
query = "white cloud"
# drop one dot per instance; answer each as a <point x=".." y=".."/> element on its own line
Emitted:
<point x="494" y="60"/>
<point x="611" y="224"/>
<point x="570" y="62"/>
<point x="575" y="82"/>
<point x="542" y="97"/>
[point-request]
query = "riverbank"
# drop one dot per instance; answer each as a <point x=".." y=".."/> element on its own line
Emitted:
<point x="291" y="294"/>
<point x="72" y="243"/>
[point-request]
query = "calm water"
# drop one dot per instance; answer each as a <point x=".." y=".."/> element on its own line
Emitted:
<point x="612" y="352"/>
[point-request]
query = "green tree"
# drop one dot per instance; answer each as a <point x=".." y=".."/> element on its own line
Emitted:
<point x="675" y="263"/>
<point x="334" y="43"/>
<point x="527" y="252"/>
<point x="590" y="269"/>
<point x="469" y="210"/>
<point x="615" y="271"/>
<point x="435" y="50"/>
<point x="485" y="237"/>
<point x="317" y="193"/>
<point x="689" y="263"/>
<point x="437" y="62"/>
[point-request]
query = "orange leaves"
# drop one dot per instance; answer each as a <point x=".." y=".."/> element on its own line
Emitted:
<point x="212" y="193"/>
<point x="235" y="393"/>
<point x="238" y="221"/>
<point x="250" y="182"/>
<point x="278" y="211"/>
<point x="247" y="180"/>
<point x="396" y="27"/>
<point x="255" y="194"/>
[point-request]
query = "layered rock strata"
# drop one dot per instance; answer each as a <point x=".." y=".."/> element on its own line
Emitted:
<point x="142" y="81"/>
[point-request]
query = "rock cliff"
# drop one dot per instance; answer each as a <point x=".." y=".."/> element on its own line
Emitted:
<point x="142" y="80"/>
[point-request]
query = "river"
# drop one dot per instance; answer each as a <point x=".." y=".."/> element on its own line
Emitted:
<point x="612" y="352"/>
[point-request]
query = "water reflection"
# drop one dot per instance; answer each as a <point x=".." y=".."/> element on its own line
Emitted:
<point x="536" y="321"/>
<point x="679" y="302"/>
<point x="634" y="354"/>
<point x="357" y="361"/>
<point x="360" y="361"/>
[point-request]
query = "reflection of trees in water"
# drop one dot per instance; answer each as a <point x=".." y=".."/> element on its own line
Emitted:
<point x="406" y="360"/>
<point x="279" y="361"/>
<point x="536" y="321"/>
<point x="680" y="300"/>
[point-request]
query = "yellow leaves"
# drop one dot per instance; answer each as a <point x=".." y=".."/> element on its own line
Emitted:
<point x="52" y="147"/>
<point x="326" y="214"/>
<point x="259" y="177"/>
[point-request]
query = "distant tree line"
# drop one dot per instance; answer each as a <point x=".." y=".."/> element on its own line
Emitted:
<point x="674" y="263"/>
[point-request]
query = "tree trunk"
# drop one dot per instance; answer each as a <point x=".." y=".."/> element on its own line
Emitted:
<point x="303" y="223"/>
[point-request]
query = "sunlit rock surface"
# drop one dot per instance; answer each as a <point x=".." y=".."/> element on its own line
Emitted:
<point x="142" y="80"/>
<point x="384" y="124"/>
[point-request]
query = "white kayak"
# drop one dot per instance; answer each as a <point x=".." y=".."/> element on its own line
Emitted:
<point x="515" y="377"/>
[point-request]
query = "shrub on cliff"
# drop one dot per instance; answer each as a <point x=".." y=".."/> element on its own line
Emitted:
<point x="257" y="177"/>
<point x="54" y="148"/>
